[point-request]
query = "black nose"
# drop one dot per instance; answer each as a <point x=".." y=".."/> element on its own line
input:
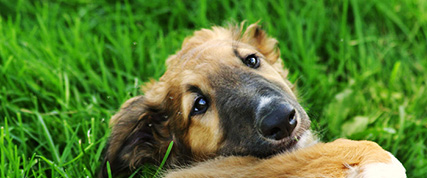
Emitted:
<point x="279" y="123"/>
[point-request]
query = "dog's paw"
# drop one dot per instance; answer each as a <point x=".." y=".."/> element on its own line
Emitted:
<point x="393" y="169"/>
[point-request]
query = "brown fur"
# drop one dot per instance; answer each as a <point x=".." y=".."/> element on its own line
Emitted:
<point x="320" y="160"/>
<point x="210" y="64"/>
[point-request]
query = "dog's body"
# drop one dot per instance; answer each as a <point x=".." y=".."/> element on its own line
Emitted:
<point x="225" y="102"/>
<point x="341" y="158"/>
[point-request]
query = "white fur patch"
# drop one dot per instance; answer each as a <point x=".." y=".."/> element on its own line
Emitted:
<point x="394" y="169"/>
<point x="307" y="139"/>
<point x="263" y="102"/>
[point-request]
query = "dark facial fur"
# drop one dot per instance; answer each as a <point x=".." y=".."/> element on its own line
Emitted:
<point x="238" y="95"/>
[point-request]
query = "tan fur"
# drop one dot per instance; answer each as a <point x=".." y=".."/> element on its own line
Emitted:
<point x="333" y="159"/>
<point x="205" y="136"/>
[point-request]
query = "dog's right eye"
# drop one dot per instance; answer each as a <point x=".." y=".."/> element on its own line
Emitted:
<point x="200" y="106"/>
<point x="252" y="61"/>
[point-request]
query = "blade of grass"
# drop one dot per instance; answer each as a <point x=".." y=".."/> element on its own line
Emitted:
<point x="359" y="29"/>
<point x="109" y="170"/>
<point x="48" y="136"/>
<point x="164" y="159"/>
<point x="3" y="150"/>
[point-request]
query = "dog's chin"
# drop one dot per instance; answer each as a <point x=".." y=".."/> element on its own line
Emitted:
<point x="286" y="145"/>
<point x="270" y="148"/>
<point x="263" y="148"/>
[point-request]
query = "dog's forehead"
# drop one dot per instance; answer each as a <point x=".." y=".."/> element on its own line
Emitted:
<point x="210" y="55"/>
<point x="198" y="65"/>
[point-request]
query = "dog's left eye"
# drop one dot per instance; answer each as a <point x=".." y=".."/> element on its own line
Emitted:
<point x="252" y="61"/>
<point x="200" y="106"/>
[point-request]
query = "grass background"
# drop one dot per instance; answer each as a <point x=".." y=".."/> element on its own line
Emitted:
<point x="67" y="65"/>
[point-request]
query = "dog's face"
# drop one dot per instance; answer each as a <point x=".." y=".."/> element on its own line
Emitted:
<point x="223" y="94"/>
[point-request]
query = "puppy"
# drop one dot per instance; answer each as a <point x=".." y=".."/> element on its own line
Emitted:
<point x="224" y="95"/>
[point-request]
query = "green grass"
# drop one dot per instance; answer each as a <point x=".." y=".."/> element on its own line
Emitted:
<point x="66" y="66"/>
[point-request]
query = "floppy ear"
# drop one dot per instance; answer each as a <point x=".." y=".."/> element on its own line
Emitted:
<point x="266" y="45"/>
<point x="139" y="135"/>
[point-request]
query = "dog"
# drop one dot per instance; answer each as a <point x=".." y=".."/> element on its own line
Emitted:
<point x="227" y="105"/>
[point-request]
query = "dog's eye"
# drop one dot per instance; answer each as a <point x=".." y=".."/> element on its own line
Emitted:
<point x="252" y="61"/>
<point x="200" y="106"/>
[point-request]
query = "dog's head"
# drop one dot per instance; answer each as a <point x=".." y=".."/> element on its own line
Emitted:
<point x="224" y="93"/>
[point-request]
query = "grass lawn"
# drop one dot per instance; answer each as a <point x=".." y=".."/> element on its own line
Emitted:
<point x="66" y="66"/>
